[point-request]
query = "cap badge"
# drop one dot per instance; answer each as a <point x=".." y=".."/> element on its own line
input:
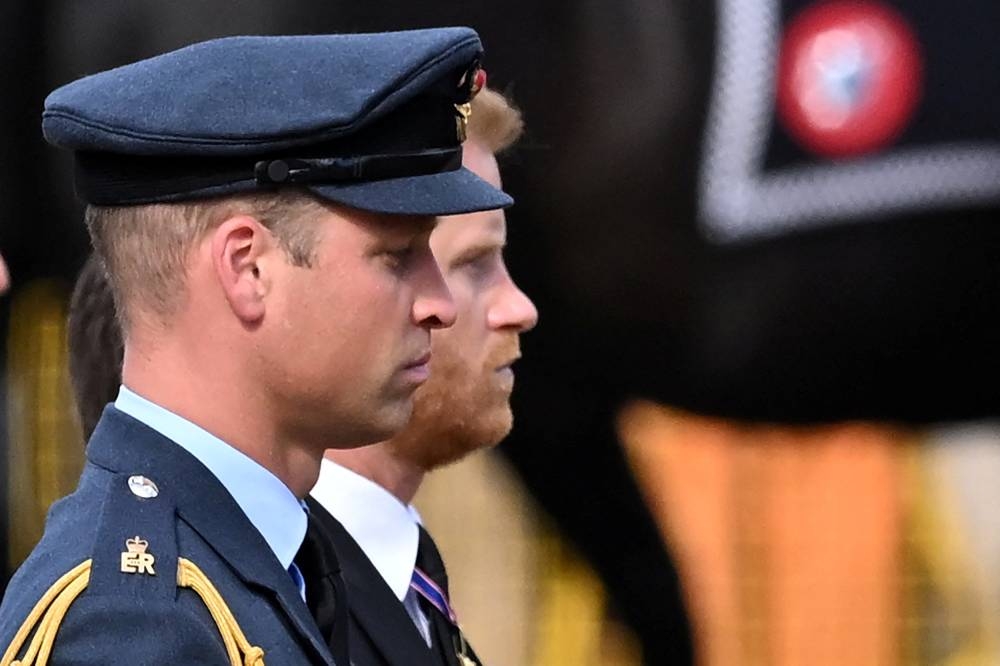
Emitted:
<point x="464" y="111"/>
<point x="135" y="560"/>
<point x="462" y="114"/>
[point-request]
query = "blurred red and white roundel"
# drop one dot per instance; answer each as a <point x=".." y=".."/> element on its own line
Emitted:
<point x="849" y="77"/>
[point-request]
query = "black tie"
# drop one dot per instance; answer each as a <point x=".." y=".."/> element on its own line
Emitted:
<point x="325" y="591"/>
<point x="447" y="636"/>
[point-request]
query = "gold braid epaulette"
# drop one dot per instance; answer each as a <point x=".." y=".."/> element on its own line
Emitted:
<point x="50" y="610"/>
<point x="189" y="575"/>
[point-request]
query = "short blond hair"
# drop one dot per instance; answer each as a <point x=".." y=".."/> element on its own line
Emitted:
<point x="495" y="122"/>
<point x="144" y="249"/>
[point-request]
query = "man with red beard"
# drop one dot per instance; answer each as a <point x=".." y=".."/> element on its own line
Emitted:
<point x="399" y="611"/>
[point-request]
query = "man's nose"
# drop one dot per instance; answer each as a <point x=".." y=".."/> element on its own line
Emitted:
<point x="433" y="306"/>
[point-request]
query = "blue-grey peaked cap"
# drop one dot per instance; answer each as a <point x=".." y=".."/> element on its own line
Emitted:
<point x="368" y="120"/>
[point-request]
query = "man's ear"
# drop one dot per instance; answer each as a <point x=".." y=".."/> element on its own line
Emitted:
<point x="237" y="247"/>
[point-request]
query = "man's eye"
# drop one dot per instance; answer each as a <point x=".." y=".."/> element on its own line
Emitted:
<point x="479" y="267"/>
<point x="399" y="257"/>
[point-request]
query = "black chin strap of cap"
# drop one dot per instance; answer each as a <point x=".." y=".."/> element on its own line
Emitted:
<point x="109" y="179"/>
<point x="365" y="167"/>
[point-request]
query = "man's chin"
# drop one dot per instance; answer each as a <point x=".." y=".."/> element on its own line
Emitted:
<point x="498" y="429"/>
<point x="390" y="421"/>
<point x="460" y="441"/>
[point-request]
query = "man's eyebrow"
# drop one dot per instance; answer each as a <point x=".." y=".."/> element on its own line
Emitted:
<point x="479" y="249"/>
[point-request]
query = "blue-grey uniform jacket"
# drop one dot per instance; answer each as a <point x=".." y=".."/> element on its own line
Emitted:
<point x="157" y="565"/>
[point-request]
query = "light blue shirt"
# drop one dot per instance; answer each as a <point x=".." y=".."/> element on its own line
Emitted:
<point x="268" y="503"/>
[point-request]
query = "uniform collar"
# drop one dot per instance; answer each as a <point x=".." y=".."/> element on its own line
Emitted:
<point x="384" y="528"/>
<point x="267" y="502"/>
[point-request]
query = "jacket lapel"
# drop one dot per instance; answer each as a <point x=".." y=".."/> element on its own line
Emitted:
<point x="121" y="443"/>
<point x="232" y="545"/>
<point x="372" y="604"/>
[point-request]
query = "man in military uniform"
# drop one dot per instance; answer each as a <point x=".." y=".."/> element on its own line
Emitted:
<point x="399" y="609"/>
<point x="463" y="407"/>
<point x="262" y="207"/>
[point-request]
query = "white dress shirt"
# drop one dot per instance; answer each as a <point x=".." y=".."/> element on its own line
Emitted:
<point x="385" y="529"/>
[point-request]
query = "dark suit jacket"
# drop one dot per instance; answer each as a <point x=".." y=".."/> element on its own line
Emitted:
<point x="380" y="630"/>
<point x="129" y="618"/>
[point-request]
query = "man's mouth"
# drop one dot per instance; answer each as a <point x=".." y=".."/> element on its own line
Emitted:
<point x="508" y="364"/>
<point x="419" y="369"/>
<point x="423" y="359"/>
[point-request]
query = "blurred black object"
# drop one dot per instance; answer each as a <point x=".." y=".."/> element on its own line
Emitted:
<point x="881" y="315"/>
<point x="856" y="283"/>
<point x="20" y="23"/>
